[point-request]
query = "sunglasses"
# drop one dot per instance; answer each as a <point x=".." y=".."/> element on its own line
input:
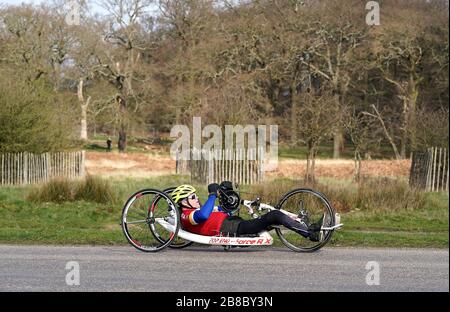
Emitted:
<point x="193" y="196"/>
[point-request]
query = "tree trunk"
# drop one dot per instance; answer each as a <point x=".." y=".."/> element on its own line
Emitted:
<point x="310" y="165"/>
<point x="294" y="115"/>
<point x="83" y="134"/>
<point x="403" y="147"/>
<point x="338" y="143"/>
<point x="414" y="94"/>
<point x="405" y="128"/>
<point x="84" y="105"/>
<point x="357" y="166"/>
<point x="122" y="143"/>
<point x="338" y="139"/>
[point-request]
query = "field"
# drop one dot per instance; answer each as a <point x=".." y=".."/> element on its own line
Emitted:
<point x="81" y="222"/>
<point x="141" y="165"/>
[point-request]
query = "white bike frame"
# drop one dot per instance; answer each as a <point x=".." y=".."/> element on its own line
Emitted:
<point x="264" y="238"/>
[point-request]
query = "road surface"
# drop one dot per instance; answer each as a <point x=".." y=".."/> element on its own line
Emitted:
<point x="104" y="268"/>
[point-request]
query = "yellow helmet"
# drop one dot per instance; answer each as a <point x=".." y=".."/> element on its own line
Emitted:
<point x="182" y="192"/>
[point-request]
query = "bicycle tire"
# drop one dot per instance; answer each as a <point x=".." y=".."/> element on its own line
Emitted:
<point x="172" y="211"/>
<point x="330" y="222"/>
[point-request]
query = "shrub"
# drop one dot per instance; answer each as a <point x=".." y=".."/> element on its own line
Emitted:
<point x="92" y="189"/>
<point x="57" y="190"/>
<point x="95" y="189"/>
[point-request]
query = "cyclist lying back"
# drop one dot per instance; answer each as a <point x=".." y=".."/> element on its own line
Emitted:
<point x="210" y="220"/>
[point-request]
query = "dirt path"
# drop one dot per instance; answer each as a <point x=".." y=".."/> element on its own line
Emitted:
<point x="145" y="165"/>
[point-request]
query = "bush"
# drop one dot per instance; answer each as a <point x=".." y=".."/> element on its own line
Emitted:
<point x="33" y="118"/>
<point x="56" y="190"/>
<point x="96" y="190"/>
<point x="92" y="189"/>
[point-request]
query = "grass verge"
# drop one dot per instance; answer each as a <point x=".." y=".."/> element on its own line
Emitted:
<point x="23" y="221"/>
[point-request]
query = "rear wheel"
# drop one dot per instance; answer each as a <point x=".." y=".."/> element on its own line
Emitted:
<point x="140" y="217"/>
<point x="310" y="206"/>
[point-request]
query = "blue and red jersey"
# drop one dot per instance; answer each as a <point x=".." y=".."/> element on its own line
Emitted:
<point x="206" y="220"/>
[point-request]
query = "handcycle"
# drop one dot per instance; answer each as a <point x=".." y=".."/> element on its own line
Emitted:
<point x="151" y="221"/>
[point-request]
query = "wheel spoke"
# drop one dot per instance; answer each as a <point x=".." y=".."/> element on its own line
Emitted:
<point x="141" y="231"/>
<point x="313" y="206"/>
<point x="137" y="221"/>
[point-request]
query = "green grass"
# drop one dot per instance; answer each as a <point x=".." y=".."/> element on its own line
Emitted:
<point x="82" y="222"/>
<point x="102" y="147"/>
<point x="325" y="151"/>
<point x="98" y="144"/>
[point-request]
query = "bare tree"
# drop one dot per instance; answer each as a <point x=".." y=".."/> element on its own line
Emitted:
<point x="334" y="34"/>
<point x="317" y="116"/>
<point x="362" y="130"/>
<point x="406" y="55"/>
<point x="121" y="62"/>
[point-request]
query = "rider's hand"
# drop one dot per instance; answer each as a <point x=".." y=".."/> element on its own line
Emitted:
<point x="213" y="188"/>
<point x="226" y="185"/>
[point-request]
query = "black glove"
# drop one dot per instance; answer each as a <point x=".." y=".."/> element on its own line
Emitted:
<point x="213" y="188"/>
<point x="226" y="185"/>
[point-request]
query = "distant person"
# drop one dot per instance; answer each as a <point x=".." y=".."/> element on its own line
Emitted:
<point x="109" y="144"/>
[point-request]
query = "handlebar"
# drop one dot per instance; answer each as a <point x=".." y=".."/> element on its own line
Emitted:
<point x="250" y="204"/>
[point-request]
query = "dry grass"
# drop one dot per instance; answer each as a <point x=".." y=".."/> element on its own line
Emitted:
<point x="141" y="165"/>
<point x="55" y="191"/>
<point x="342" y="168"/>
<point x="91" y="189"/>
<point x="137" y="165"/>
<point x="374" y="194"/>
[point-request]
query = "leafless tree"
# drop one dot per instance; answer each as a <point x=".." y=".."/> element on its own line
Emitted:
<point x="317" y="116"/>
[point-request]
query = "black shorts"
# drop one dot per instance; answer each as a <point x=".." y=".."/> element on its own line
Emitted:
<point x="230" y="225"/>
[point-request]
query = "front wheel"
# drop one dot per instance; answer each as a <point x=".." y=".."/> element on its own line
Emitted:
<point x="140" y="217"/>
<point x="310" y="206"/>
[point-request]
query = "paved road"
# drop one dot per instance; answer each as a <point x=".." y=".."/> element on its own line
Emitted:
<point x="43" y="268"/>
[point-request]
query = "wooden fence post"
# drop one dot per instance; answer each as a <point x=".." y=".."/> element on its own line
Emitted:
<point x="83" y="158"/>
<point x="27" y="168"/>
<point x="3" y="171"/>
<point x="448" y="165"/>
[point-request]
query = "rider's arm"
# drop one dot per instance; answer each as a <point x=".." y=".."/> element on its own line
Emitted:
<point x="202" y="214"/>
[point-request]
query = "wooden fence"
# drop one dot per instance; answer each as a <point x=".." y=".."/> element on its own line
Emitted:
<point x="27" y="168"/>
<point x="430" y="170"/>
<point x="241" y="166"/>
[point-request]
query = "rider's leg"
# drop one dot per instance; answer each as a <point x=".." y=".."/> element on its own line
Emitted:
<point x="274" y="217"/>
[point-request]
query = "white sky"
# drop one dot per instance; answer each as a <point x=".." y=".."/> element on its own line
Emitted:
<point x="94" y="7"/>
<point x="18" y="2"/>
<point x="91" y="4"/>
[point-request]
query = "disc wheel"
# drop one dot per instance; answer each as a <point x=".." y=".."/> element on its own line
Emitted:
<point x="310" y="206"/>
<point x="140" y="217"/>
